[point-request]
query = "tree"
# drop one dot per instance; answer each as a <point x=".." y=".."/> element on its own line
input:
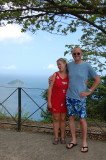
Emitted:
<point x="48" y="14"/>
<point x="61" y="17"/>
<point x="97" y="101"/>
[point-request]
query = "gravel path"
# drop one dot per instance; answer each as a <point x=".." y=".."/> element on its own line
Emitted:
<point x="38" y="146"/>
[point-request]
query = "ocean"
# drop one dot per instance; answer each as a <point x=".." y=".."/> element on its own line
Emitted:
<point x="31" y="96"/>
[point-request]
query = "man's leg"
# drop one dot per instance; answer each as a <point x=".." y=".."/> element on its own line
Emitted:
<point x="72" y="131"/>
<point x="83" y="125"/>
<point x="70" y="103"/>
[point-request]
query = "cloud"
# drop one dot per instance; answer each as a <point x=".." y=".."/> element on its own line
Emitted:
<point x="50" y="67"/>
<point x="13" y="32"/>
<point x="10" y="67"/>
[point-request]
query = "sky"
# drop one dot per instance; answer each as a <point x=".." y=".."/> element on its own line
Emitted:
<point x="32" y="54"/>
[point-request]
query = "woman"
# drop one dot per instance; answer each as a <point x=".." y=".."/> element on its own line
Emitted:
<point x="57" y="100"/>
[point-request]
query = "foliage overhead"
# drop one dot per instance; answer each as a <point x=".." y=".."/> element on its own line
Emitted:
<point x="61" y="17"/>
<point x="52" y="14"/>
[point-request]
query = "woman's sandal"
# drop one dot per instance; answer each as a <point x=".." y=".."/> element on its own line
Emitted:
<point x="55" y="141"/>
<point x="71" y="144"/>
<point x="63" y="141"/>
<point x="85" y="150"/>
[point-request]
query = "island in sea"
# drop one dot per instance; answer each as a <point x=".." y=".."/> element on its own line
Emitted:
<point x="16" y="82"/>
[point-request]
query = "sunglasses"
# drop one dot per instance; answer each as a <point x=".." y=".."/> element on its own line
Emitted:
<point x="76" y="54"/>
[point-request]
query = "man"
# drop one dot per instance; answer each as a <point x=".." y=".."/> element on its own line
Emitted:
<point x="79" y="73"/>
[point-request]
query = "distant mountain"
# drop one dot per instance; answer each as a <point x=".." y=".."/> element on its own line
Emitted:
<point x="16" y="82"/>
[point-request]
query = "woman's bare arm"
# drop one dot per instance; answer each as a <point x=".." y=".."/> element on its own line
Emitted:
<point x="50" y="90"/>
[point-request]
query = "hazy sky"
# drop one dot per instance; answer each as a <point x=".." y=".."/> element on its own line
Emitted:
<point x="31" y="54"/>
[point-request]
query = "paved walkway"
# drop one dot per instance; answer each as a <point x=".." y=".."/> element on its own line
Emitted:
<point x="38" y="146"/>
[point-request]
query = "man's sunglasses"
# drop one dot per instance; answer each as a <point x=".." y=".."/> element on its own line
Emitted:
<point x="76" y="53"/>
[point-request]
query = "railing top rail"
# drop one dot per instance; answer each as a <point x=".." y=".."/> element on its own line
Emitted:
<point x="23" y="87"/>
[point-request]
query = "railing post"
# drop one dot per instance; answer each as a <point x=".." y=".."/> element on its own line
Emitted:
<point x="19" y="109"/>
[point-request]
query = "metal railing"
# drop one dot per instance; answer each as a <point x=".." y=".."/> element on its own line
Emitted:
<point x="19" y="121"/>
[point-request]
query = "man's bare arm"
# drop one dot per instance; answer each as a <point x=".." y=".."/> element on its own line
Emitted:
<point x="93" y="87"/>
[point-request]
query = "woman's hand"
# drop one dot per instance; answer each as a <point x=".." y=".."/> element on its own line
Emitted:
<point x="49" y="105"/>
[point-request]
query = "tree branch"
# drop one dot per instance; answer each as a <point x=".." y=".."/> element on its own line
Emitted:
<point x="89" y="6"/>
<point x="90" y="22"/>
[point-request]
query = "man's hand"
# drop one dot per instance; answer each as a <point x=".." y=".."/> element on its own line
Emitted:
<point x="84" y="94"/>
<point x="50" y="79"/>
